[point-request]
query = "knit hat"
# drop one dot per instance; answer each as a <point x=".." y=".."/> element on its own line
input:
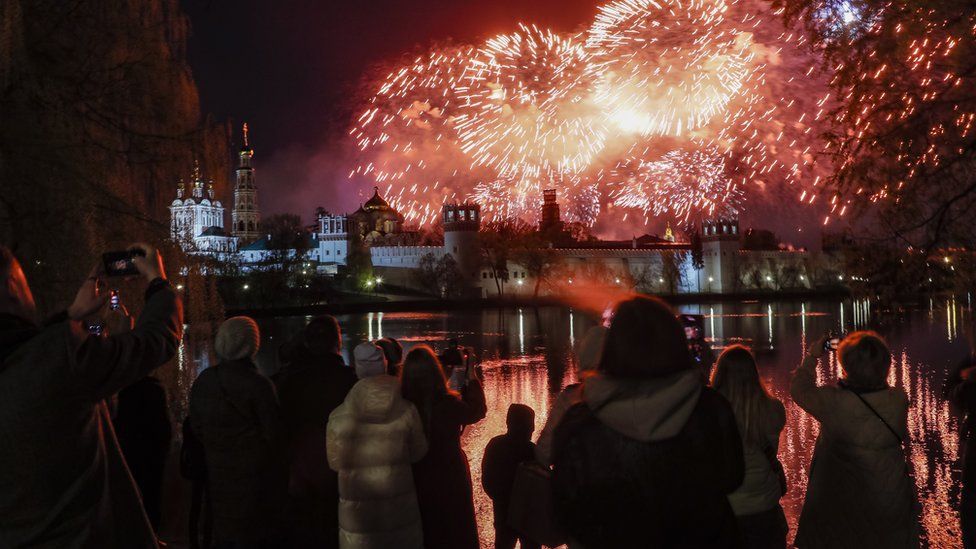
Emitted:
<point x="590" y="349"/>
<point x="238" y="337"/>
<point x="369" y="359"/>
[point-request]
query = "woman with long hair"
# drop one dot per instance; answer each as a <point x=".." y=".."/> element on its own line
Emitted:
<point x="760" y="419"/>
<point x="443" y="476"/>
<point x="648" y="455"/>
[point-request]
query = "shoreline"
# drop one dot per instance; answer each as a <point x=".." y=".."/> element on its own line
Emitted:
<point x="431" y="304"/>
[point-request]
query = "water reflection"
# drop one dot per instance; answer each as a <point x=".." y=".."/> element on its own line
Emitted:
<point x="527" y="358"/>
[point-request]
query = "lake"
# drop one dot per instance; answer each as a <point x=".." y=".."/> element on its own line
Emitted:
<point x="527" y="358"/>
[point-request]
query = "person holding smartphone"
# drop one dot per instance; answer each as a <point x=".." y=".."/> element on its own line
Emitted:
<point x="65" y="481"/>
<point x="860" y="492"/>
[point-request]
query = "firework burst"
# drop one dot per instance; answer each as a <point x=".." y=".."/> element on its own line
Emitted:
<point x="670" y="66"/>
<point x="681" y="184"/>
<point x="527" y="106"/>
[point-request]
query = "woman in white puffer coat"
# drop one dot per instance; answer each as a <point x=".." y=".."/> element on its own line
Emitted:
<point x="373" y="438"/>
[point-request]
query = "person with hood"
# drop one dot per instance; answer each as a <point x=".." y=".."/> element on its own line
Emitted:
<point x="499" y="466"/>
<point x="234" y="413"/>
<point x="443" y="477"/>
<point x="649" y="454"/>
<point x="860" y="493"/>
<point x="313" y="383"/>
<point x="373" y="438"/>
<point x="587" y="359"/>
<point x="64" y="480"/>
<point x="761" y="419"/>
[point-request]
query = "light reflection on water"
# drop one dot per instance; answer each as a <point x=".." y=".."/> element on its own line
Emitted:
<point x="527" y="359"/>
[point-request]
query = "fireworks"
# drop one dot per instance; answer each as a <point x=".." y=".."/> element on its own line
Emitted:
<point x="682" y="184"/>
<point x="670" y="67"/>
<point x="527" y="109"/>
<point x="721" y="96"/>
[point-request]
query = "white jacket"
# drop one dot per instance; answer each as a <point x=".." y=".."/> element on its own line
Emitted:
<point x="373" y="438"/>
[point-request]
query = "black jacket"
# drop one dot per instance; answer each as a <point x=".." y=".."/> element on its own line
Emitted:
<point x="615" y="491"/>
<point x="503" y="455"/>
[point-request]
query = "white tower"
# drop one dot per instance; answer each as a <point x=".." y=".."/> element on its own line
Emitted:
<point x="461" y="224"/>
<point x="720" y="253"/>
<point x="246" y="217"/>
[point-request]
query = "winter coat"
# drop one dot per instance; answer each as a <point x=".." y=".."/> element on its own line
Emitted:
<point x="963" y="394"/>
<point x="860" y="494"/>
<point x="502" y="457"/>
<point x="142" y="425"/>
<point x="310" y="387"/>
<point x="648" y="463"/>
<point x="63" y="480"/>
<point x="373" y="438"/>
<point x="234" y="413"/>
<point x="443" y="477"/>
<point x="760" y="490"/>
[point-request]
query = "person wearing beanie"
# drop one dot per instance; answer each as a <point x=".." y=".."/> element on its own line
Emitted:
<point x="649" y="452"/>
<point x="234" y="413"/>
<point x="587" y="359"/>
<point x="372" y="440"/>
<point x="370" y="360"/>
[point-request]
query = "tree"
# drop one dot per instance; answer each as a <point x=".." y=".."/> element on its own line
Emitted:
<point x="539" y="260"/>
<point x="902" y="134"/>
<point x="100" y="119"/>
<point x="450" y="281"/>
<point x="426" y="274"/>
<point x="498" y="240"/>
<point x="671" y="271"/>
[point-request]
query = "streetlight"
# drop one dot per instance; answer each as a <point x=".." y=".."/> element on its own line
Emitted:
<point x="246" y="287"/>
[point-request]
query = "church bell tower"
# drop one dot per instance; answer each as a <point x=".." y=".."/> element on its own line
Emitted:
<point x="246" y="216"/>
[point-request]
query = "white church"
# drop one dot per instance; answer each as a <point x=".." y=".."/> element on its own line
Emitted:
<point x="197" y="217"/>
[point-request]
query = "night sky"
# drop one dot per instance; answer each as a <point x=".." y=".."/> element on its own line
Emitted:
<point x="291" y="69"/>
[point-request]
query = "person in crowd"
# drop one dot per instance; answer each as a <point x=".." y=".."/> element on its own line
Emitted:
<point x="373" y="438"/>
<point x="234" y="413"/>
<point x="64" y="480"/>
<point x="502" y="457"/>
<point x="452" y="356"/>
<point x="760" y="419"/>
<point x="650" y="453"/>
<point x="443" y="477"/>
<point x="143" y="427"/>
<point x="860" y="492"/>
<point x="962" y="390"/>
<point x="588" y="354"/>
<point x="394" y="354"/>
<point x="313" y="383"/>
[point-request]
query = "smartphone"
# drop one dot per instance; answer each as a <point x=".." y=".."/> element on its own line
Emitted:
<point x="832" y="343"/>
<point x="113" y="300"/>
<point x="120" y="263"/>
<point x="694" y="326"/>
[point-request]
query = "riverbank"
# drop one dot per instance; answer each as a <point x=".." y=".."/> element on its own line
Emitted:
<point x="583" y="301"/>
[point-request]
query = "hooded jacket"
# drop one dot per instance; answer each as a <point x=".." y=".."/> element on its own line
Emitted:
<point x="648" y="459"/>
<point x="63" y="480"/>
<point x="372" y="440"/>
<point x="860" y="493"/>
<point x="234" y="413"/>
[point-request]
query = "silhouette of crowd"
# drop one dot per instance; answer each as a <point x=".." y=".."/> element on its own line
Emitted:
<point x="645" y="451"/>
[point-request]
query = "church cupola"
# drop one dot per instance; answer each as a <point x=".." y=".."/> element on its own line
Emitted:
<point x="197" y="180"/>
